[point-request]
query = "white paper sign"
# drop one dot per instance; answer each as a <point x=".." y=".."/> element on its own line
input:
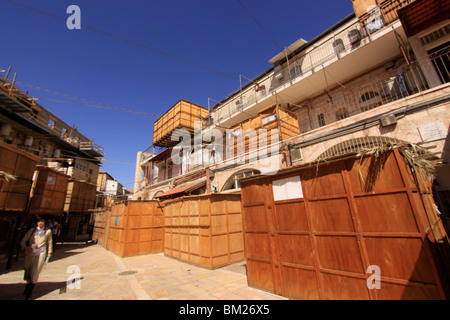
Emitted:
<point x="433" y="131"/>
<point x="288" y="188"/>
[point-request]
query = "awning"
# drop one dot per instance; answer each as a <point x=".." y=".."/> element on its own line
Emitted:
<point x="181" y="191"/>
<point x="162" y="155"/>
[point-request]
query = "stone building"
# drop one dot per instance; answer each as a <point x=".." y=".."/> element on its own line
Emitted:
<point x="61" y="152"/>
<point x="378" y="78"/>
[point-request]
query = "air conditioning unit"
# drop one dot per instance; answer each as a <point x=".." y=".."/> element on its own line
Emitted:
<point x="388" y="120"/>
<point x="296" y="154"/>
<point x="278" y="73"/>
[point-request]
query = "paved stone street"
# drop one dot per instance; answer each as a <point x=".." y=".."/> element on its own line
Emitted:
<point x="106" y="276"/>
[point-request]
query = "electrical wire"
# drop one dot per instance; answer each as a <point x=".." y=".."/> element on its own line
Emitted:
<point x="88" y="103"/>
<point x="123" y="39"/>
<point x="102" y="107"/>
<point x="260" y="25"/>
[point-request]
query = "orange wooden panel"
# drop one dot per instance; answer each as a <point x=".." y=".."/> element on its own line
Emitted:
<point x="300" y="284"/>
<point x="401" y="258"/>
<point x="296" y="249"/>
<point x="253" y="194"/>
<point x="257" y="246"/>
<point x="325" y="181"/>
<point x="255" y="219"/>
<point x="340" y="253"/>
<point x="331" y="215"/>
<point x="260" y="275"/>
<point x="374" y="174"/>
<point x="338" y="287"/>
<point x="386" y="213"/>
<point x="236" y="241"/>
<point x="291" y="216"/>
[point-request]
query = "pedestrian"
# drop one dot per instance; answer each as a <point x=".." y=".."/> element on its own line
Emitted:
<point x="38" y="246"/>
<point x="54" y="226"/>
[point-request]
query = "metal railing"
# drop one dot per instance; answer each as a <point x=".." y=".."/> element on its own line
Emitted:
<point x="44" y="122"/>
<point x="13" y="91"/>
<point x="90" y="145"/>
<point x="381" y="15"/>
<point x="390" y="86"/>
<point x="362" y="95"/>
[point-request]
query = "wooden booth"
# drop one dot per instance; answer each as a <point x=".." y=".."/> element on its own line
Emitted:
<point x="351" y="227"/>
<point x="182" y="115"/>
<point x="15" y="191"/>
<point x="49" y="192"/>
<point x="247" y="136"/>
<point x="204" y="230"/>
<point x="81" y="196"/>
<point x="135" y="228"/>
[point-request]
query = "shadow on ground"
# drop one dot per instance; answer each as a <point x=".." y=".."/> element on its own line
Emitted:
<point x="61" y="251"/>
<point x="14" y="291"/>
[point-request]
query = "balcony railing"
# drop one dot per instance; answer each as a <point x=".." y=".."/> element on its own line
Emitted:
<point x="382" y="15"/>
<point x="49" y="124"/>
<point x="339" y="44"/>
<point x="381" y="89"/>
<point x="14" y="92"/>
<point x="93" y="147"/>
<point x="361" y="96"/>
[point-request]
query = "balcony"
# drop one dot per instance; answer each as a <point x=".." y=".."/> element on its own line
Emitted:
<point x="340" y="54"/>
<point x="12" y="98"/>
<point x="403" y="82"/>
<point x="91" y="148"/>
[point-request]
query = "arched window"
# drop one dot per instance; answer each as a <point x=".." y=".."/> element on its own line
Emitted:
<point x="342" y="113"/>
<point x="338" y="46"/>
<point x="157" y="193"/>
<point x="370" y="100"/>
<point x="296" y="71"/>
<point x="233" y="183"/>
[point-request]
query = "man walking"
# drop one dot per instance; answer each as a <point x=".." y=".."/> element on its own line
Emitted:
<point x="38" y="246"/>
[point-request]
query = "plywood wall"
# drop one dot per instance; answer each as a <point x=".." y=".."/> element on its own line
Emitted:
<point x="183" y="114"/>
<point x="317" y="238"/>
<point x="135" y="228"/>
<point x="49" y="192"/>
<point x="204" y="230"/>
<point x="14" y="193"/>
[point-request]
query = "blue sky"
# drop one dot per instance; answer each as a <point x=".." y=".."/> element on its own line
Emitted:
<point x="209" y="43"/>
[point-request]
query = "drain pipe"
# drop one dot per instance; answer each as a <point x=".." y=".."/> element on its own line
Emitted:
<point x="286" y="154"/>
<point x="208" y="182"/>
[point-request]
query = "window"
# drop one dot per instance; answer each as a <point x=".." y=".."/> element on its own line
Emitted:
<point x="368" y="96"/>
<point x="35" y="112"/>
<point x="341" y="114"/>
<point x="370" y="100"/>
<point x="51" y="123"/>
<point x="436" y="35"/>
<point x="268" y="119"/>
<point x="338" y="46"/>
<point x="235" y="133"/>
<point x="296" y="71"/>
<point x="321" y="119"/>
<point x="233" y="182"/>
